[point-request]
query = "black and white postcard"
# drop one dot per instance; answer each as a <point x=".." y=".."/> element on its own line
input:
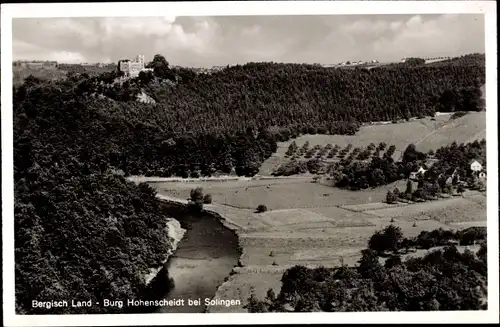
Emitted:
<point x="249" y="162"/>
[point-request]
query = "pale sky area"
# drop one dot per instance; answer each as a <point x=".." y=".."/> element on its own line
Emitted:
<point x="209" y="41"/>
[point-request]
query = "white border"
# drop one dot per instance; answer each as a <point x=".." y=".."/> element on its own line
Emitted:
<point x="248" y="8"/>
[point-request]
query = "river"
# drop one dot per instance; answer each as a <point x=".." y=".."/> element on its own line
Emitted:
<point x="203" y="259"/>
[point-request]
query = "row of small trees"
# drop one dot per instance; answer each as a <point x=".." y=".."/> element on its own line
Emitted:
<point x="316" y="166"/>
<point x="331" y="150"/>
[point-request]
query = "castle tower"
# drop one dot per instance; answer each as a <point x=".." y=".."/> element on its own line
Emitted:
<point x="140" y="60"/>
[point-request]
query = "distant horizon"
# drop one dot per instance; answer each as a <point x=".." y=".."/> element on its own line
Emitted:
<point x="279" y="62"/>
<point x="207" y="41"/>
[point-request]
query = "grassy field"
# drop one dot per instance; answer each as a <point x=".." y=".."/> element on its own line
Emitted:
<point x="465" y="129"/>
<point x="282" y="194"/>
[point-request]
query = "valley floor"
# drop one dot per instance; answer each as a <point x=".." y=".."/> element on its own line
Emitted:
<point x="311" y="224"/>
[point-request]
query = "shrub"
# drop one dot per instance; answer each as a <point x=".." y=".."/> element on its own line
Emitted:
<point x="261" y="208"/>
<point x="196" y="194"/>
<point x="207" y="199"/>
<point x="390" y="197"/>
<point x="196" y="199"/>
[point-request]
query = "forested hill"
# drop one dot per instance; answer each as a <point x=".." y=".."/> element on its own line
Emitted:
<point x="81" y="230"/>
<point x="287" y="94"/>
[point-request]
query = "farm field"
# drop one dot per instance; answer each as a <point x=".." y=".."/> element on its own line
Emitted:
<point x="425" y="133"/>
<point x="313" y="225"/>
<point x="282" y="194"/>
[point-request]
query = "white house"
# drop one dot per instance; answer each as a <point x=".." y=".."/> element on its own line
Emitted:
<point x="421" y="170"/>
<point x="476" y="166"/>
<point x="415" y="174"/>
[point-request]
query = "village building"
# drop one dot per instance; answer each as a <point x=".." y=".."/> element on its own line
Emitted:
<point x="476" y="166"/>
<point x="416" y="174"/>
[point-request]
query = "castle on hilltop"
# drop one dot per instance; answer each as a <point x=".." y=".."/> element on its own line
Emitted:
<point x="132" y="68"/>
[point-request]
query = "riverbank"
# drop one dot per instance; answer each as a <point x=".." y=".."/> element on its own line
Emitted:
<point x="203" y="260"/>
<point x="175" y="233"/>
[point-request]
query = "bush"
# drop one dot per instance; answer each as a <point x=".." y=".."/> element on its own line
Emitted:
<point x="390" y="197"/>
<point x="207" y="199"/>
<point x="196" y="194"/>
<point x="196" y="199"/>
<point x="261" y="208"/>
<point x="389" y="238"/>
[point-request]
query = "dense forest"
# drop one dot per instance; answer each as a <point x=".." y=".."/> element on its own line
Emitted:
<point x="443" y="279"/>
<point x="83" y="231"/>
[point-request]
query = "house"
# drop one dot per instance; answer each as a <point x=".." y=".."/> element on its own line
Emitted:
<point x="476" y="166"/>
<point x="415" y="174"/>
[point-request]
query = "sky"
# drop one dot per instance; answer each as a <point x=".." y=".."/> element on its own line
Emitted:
<point x="212" y="41"/>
